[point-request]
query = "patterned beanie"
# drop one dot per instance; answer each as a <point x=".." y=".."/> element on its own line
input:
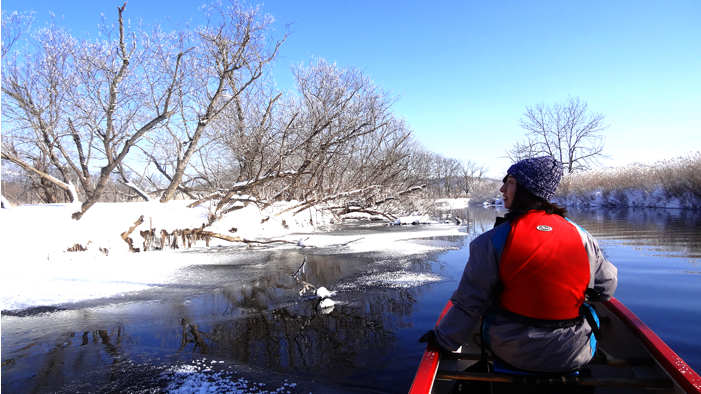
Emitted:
<point x="538" y="175"/>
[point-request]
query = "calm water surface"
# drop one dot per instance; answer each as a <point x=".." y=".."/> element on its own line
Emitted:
<point x="658" y="255"/>
<point x="246" y="320"/>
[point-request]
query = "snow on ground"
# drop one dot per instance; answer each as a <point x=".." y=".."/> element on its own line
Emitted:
<point x="452" y="203"/>
<point x="38" y="270"/>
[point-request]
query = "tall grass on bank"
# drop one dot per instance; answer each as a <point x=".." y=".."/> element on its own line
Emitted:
<point x="674" y="183"/>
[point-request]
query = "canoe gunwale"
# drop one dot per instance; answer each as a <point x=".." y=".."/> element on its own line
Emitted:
<point x="675" y="366"/>
<point x="426" y="374"/>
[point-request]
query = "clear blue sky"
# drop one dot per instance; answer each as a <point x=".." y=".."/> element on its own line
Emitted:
<point x="466" y="70"/>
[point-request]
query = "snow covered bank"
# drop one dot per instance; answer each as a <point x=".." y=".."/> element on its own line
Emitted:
<point x="38" y="270"/>
<point x="452" y="203"/>
<point x="629" y="198"/>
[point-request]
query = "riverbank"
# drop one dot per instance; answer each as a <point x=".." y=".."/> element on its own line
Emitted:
<point x="52" y="259"/>
<point x="674" y="184"/>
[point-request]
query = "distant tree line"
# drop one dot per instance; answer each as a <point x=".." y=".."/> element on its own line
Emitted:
<point x="194" y="113"/>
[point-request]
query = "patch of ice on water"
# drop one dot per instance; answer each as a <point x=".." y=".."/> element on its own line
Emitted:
<point x="399" y="279"/>
<point x="187" y="379"/>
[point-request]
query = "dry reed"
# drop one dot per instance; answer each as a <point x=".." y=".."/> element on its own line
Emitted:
<point x="669" y="183"/>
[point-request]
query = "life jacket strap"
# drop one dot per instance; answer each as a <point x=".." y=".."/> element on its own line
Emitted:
<point x="590" y="314"/>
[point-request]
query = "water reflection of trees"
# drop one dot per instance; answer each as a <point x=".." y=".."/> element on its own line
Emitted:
<point x="278" y="330"/>
<point x="664" y="230"/>
<point x="300" y="339"/>
<point x="46" y="366"/>
<point x="295" y="338"/>
<point x="282" y="332"/>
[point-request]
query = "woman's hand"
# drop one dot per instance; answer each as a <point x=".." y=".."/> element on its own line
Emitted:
<point x="430" y="337"/>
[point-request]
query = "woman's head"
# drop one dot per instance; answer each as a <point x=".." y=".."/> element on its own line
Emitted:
<point x="539" y="175"/>
<point x="531" y="183"/>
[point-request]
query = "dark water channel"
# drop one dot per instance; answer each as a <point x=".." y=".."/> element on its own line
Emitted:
<point x="243" y="326"/>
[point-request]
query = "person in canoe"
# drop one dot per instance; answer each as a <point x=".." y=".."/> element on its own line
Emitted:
<point x="527" y="280"/>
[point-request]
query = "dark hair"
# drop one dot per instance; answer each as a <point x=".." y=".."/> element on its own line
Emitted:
<point x="525" y="201"/>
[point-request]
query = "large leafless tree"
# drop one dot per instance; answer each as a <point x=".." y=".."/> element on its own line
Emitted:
<point x="232" y="53"/>
<point x="334" y="135"/>
<point x="77" y="104"/>
<point x="567" y="131"/>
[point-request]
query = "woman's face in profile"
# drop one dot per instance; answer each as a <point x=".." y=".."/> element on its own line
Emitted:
<point x="508" y="189"/>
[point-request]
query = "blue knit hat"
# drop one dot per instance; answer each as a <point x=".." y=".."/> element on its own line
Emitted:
<point x="538" y="175"/>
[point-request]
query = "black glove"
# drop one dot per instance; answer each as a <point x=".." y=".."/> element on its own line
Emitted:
<point x="430" y="337"/>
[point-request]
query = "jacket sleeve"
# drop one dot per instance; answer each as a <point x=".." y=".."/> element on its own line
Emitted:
<point x="604" y="275"/>
<point x="473" y="295"/>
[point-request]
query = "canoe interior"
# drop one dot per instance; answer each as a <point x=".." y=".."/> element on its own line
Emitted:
<point x="618" y="341"/>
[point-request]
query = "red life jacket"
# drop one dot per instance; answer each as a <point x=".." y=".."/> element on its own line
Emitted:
<point x="544" y="268"/>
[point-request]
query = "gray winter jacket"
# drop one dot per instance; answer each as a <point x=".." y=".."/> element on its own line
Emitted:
<point x="522" y="346"/>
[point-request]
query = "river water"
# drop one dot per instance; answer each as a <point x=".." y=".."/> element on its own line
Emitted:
<point x="244" y="327"/>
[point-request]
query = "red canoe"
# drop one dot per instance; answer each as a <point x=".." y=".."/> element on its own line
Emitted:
<point x="630" y="359"/>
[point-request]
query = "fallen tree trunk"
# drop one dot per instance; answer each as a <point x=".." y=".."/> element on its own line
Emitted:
<point x="314" y="201"/>
<point x="188" y="237"/>
<point x="244" y="240"/>
<point x="205" y="199"/>
<point x="347" y="210"/>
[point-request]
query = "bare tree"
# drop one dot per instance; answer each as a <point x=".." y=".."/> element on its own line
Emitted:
<point x="333" y="108"/>
<point x="35" y="87"/>
<point x="233" y="51"/>
<point x="470" y="174"/>
<point x="124" y="119"/>
<point x="73" y="102"/>
<point x="336" y="106"/>
<point x="334" y="140"/>
<point x="565" y="131"/>
<point x="249" y="134"/>
<point x="420" y="166"/>
<point x="446" y="170"/>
